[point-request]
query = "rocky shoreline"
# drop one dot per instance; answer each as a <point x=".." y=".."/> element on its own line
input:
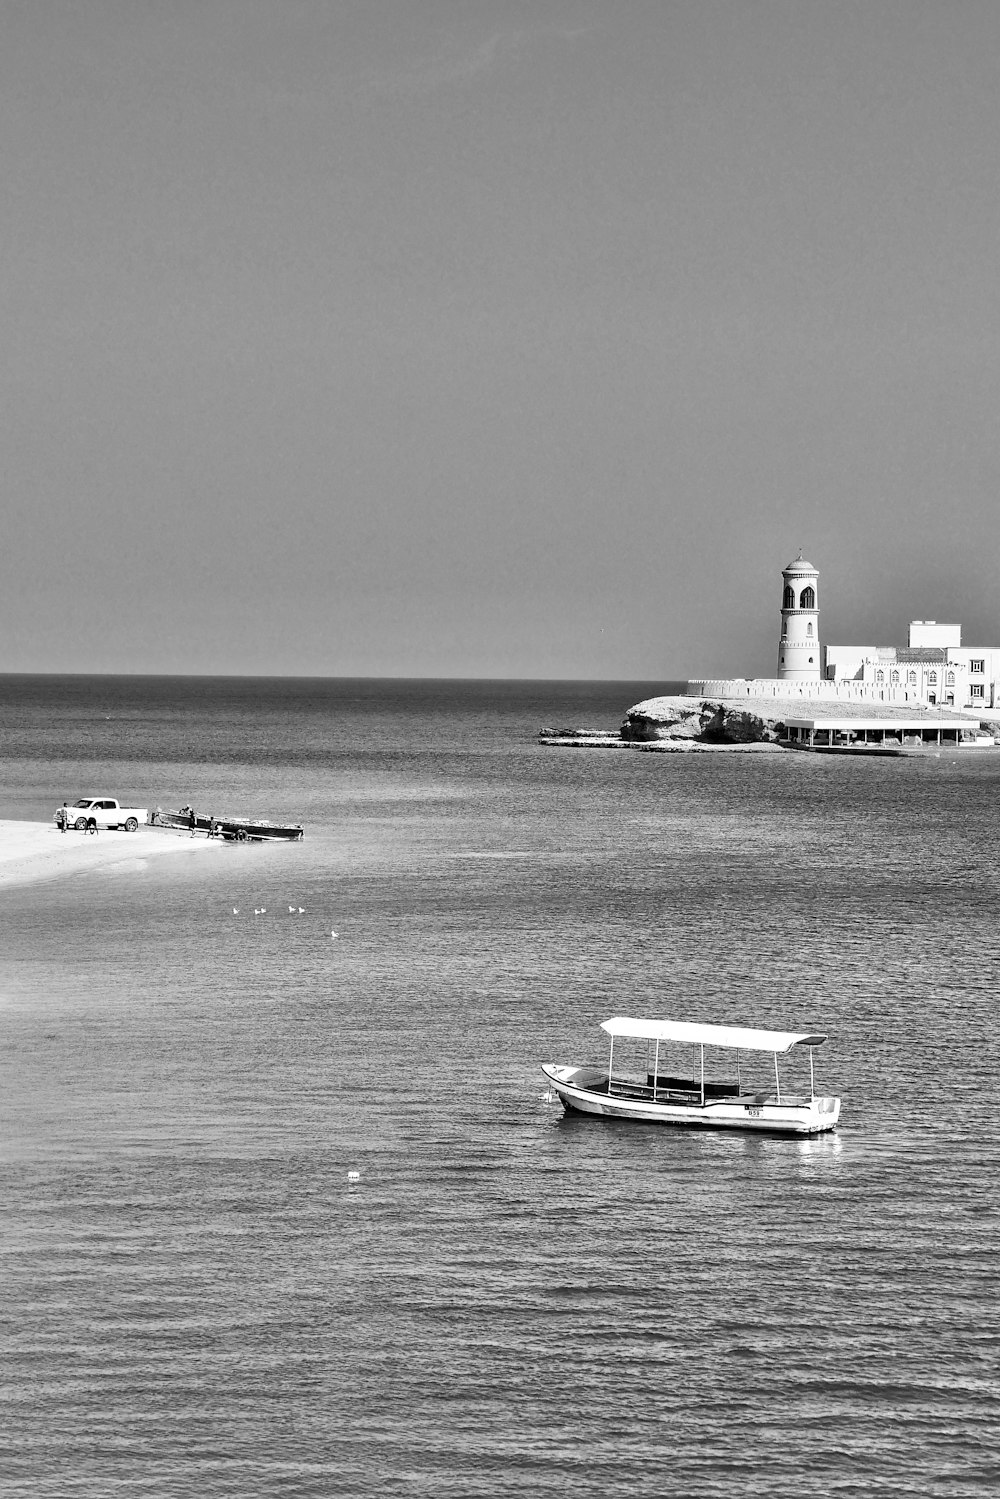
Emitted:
<point x="599" y="739"/>
<point x="672" y="725"/>
<point x="680" y="725"/>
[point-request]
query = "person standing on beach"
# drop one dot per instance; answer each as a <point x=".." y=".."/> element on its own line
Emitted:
<point x="193" y="820"/>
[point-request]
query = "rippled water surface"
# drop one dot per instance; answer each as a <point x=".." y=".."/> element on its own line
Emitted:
<point x="197" y="1300"/>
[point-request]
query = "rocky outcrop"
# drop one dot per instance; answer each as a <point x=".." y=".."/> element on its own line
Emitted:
<point x="551" y="733"/>
<point x="672" y="725"/>
<point x="582" y="739"/>
<point x="707" y="720"/>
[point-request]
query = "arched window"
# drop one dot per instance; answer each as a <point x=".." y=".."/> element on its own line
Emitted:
<point x="880" y="676"/>
<point x="932" y="678"/>
<point x="808" y="600"/>
<point x="951" y="679"/>
<point x="809" y="628"/>
<point x="911" y="678"/>
<point x="894" y="679"/>
<point x="788" y="597"/>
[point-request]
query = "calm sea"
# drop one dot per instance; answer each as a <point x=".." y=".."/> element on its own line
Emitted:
<point x="197" y="1301"/>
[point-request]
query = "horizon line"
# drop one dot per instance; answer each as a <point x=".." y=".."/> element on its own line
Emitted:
<point x="214" y="676"/>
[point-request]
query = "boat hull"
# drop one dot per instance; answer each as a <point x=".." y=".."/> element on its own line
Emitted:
<point x="233" y="827"/>
<point x="584" y="1090"/>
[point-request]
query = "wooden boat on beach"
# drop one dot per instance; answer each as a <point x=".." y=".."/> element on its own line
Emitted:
<point x="641" y="1089"/>
<point x="239" y="829"/>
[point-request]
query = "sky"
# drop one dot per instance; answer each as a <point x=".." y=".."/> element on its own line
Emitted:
<point x="494" y="338"/>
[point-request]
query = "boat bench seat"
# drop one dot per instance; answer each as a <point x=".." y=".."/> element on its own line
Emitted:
<point x="691" y="1085"/>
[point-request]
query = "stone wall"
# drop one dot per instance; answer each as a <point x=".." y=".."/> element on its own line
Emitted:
<point x="772" y="687"/>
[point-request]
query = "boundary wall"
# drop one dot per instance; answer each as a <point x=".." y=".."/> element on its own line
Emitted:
<point x="771" y="687"/>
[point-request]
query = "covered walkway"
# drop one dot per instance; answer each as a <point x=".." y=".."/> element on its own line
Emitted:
<point x="893" y="731"/>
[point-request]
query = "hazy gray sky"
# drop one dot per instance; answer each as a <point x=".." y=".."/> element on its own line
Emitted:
<point x="494" y="337"/>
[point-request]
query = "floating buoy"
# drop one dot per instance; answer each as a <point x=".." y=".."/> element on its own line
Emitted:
<point x="354" y="1176"/>
<point x="236" y="910"/>
<point x="334" y="936"/>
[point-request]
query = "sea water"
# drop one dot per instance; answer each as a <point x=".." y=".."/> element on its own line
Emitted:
<point x="198" y="1297"/>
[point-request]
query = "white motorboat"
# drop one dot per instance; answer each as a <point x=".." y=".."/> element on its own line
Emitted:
<point x="645" y="1086"/>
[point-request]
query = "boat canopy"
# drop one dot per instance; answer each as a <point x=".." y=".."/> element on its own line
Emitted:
<point x="741" y="1037"/>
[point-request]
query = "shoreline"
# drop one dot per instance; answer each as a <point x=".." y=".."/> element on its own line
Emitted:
<point x="612" y="741"/>
<point x="682" y="724"/>
<point x="31" y="852"/>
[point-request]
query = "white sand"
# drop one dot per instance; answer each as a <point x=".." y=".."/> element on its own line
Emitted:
<point x="32" y="851"/>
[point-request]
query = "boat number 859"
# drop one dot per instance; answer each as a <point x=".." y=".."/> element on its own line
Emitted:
<point x="754" y="1112"/>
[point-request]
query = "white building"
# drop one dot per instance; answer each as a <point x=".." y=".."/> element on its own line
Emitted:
<point x="933" y="667"/>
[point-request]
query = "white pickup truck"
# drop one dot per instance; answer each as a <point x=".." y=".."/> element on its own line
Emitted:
<point x="101" y="812"/>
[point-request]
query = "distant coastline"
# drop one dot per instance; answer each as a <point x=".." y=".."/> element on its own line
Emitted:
<point x="678" y="723"/>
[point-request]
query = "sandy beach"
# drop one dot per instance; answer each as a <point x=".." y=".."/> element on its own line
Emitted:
<point x="33" y="851"/>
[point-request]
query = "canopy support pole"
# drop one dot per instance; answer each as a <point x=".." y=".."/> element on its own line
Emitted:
<point x="703" y="1077"/>
<point x="611" y="1062"/>
<point x="812" y="1082"/>
<point x="777" y="1080"/>
<point x="656" y="1066"/>
<point x="739" y="1080"/>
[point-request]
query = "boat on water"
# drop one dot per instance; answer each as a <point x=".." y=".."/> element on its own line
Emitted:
<point x="644" y="1086"/>
<point x="239" y="829"/>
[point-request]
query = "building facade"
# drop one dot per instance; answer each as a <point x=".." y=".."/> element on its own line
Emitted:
<point x="934" y="667"/>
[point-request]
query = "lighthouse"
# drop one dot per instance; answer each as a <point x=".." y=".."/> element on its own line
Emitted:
<point x="798" y="649"/>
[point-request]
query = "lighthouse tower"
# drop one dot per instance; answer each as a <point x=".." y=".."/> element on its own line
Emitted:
<point x="798" y="649"/>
